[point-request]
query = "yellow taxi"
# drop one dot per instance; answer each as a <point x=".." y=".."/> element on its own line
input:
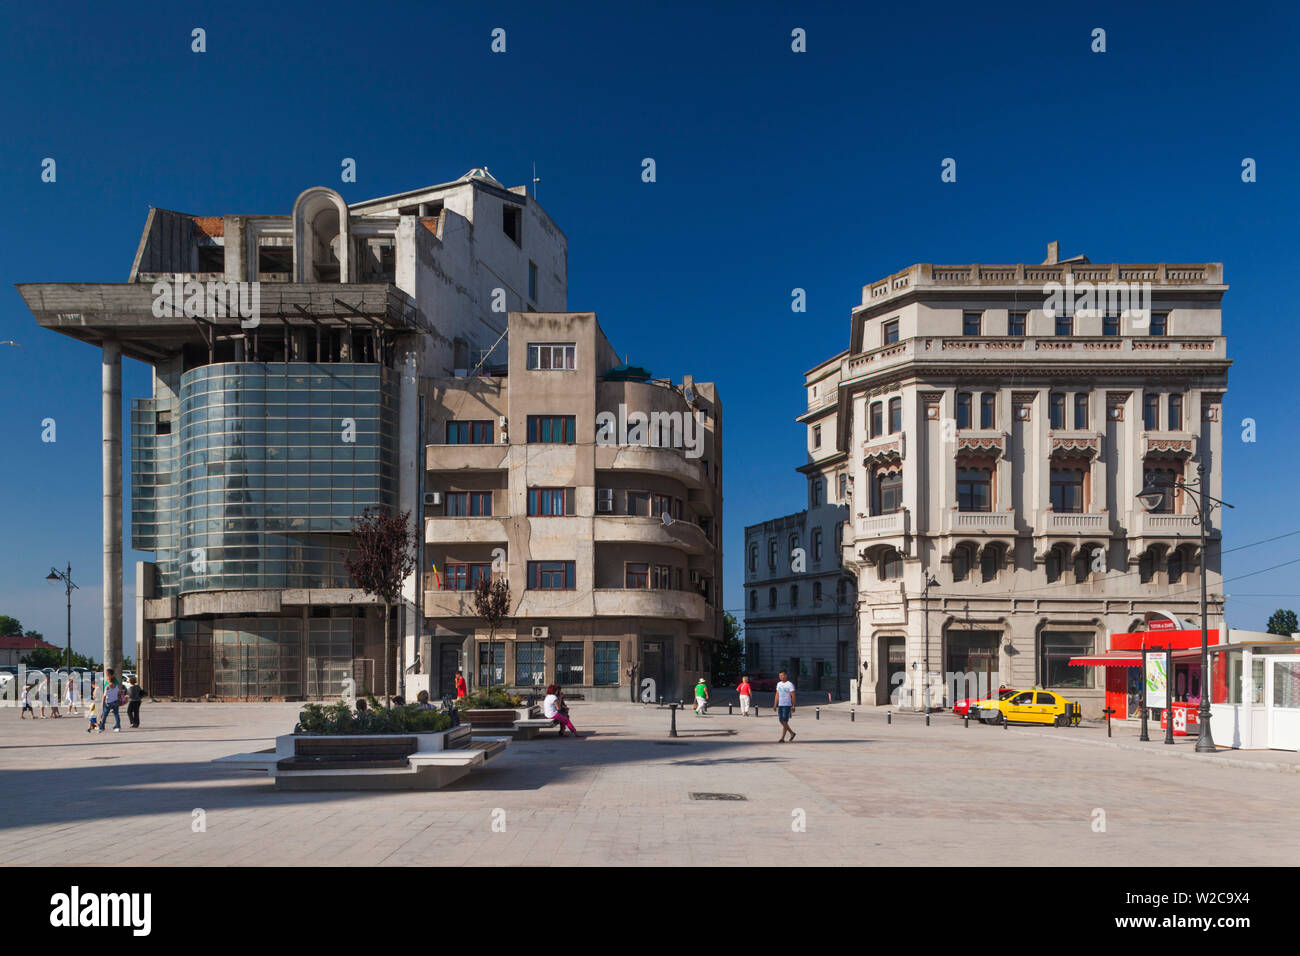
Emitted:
<point x="1030" y="707"/>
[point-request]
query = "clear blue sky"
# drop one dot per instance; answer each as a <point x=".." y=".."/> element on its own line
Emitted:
<point x="775" y="170"/>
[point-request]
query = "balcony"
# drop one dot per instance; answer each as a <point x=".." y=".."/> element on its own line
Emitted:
<point x="635" y="529"/>
<point x="1161" y="525"/>
<point x="883" y="526"/>
<point x="671" y="462"/>
<point x="981" y="522"/>
<point x="1075" y="523"/>
<point x="464" y="530"/>
<point x="465" y="457"/>
<point x="440" y="603"/>
<point x="644" y="602"/>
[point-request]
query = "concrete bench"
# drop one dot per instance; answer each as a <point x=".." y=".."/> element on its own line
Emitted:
<point x="525" y="729"/>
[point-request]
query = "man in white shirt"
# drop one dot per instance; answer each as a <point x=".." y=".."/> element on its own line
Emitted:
<point x="784" y="705"/>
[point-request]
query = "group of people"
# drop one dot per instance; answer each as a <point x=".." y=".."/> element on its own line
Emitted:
<point x="97" y="708"/>
<point x="785" y="696"/>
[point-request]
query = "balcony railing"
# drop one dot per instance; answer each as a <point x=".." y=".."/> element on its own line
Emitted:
<point x="985" y="522"/>
<point x="882" y="526"/>
<point x="1076" y="522"/>
<point x="1171" y="524"/>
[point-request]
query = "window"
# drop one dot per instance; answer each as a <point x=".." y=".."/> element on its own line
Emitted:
<point x="1147" y="567"/>
<point x="637" y="576"/>
<point x="1151" y="412"/>
<point x="817" y="592"/>
<point x="794" y="595"/>
<point x="817" y="486"/>
<point x="1080" y="411"/>
<point x="606" y="661"/>
<point x="1162" y="478"/>
<point x="1056" y="408"/>
<point x="1159" y="322"/>
<point x="661" y="577"/>
<point x="771" y="598"/>
<point x="545" y="502"/>
<point x="794" y="543"/>
<point x="532" y="280"/>
<point x="895" y="415"/>
<point x="1174" y="567"/>
<point x="877" y="419"/>
<point x="469" y="504"/>
<point x="1175" y="416"/>
<point x="1057" y="649"/>
<point x="551" y="575"/>
<point x="771" y="554"/>
<point x="512" y="223"/>
<point x="551" y="429"/>
<point x="1067" y="490"/>
<point x="891" y="566"/>
<point x="552" y="356"/>
<point x="1054" y="565"/>
<point x="889" y="492"/>
<point x="638" y="503"/>
<point x="970" y="323"/>
<point x="974" y="489"/>
<point x="465" y="577"/>
<point x="753" y="557"/>
<point x="841" y="591"/>
<point x="1065" y="325"/>
<point x="987" y="416"/>
<point x="1016" y="324"/>
<point x="989" y="563"/>
<point x="568" y="663"/>
<point x="530" y="664"/>
<point x="817" y="544"/>
<point x="162" y="423"/>
<point x="963" y="560"/>
<point x="1043" y="697"/>
<point x="963" y="409"/>
<point x="469" y="433"/>
<point x="212" y="259"/>
<point x="753" y="600"/>
<point x="492" y="663"/>
<point x="1110" y="325"/>
<point x="890" y="332"/>
<point x="272" y="259"/>
<point x="817" y="436"/>
<point x="844" y="487"/>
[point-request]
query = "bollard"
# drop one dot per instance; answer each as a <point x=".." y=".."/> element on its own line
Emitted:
<point x="889" y="716"/>
<point x="1006" y="724"/>
<point x="852" y="715"/>
<point x="927" y="718"/>
<point x="728" y="708"/>
<point x="1108" y="711"/>
<point x="967" y="719"/>
<point x="818" y="715"/>
<point x="672" y="730"/>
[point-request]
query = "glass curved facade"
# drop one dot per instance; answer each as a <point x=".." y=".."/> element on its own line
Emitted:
<point x="275" y="460"/>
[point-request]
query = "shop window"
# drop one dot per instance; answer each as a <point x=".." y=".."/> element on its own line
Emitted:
<point x="1057" y="647"/>
<point x="568" y="663"/>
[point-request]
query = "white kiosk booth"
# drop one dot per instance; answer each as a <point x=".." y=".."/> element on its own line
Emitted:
<point x="1258" y="705"/>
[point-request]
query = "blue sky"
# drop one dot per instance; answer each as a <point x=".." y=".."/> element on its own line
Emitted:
<point x="775" y="170"/>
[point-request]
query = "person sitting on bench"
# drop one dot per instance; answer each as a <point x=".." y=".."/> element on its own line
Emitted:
<point x="551" y="709"/>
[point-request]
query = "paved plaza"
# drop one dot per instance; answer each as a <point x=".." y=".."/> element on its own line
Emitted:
<point x="859" y="793"/>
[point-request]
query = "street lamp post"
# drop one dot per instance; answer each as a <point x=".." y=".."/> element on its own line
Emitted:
<point x="1152" y="497"/>
<point x="66" y="578"/>
<point x="925" y="593"/>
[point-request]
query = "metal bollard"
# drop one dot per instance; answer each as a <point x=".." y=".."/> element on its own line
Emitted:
<point x="852" y="715"/>
<point x="672" y="710"/>
<point x="1108" y="711"/>
<point x="927" y="718"/>
<point x="818" y="715"/>
<point x="728" y="708"/>
<point x="1006" y="724"/>
<point x="967" y="720"/>
<point x="889" y="716"/>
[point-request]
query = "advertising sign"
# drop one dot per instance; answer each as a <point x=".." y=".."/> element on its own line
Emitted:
<point x="1157" y="681"/>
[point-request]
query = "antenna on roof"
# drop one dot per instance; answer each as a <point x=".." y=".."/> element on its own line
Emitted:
<point x="535" y="179"/>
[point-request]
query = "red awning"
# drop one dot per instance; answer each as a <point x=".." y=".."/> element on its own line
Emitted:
<point x="1111" y="659"/>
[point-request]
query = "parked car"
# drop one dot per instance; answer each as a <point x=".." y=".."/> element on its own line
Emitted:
<point x="963" y="707"/>
<point x="1031" y="707"/>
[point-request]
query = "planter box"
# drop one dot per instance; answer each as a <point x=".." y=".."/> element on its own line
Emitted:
<point x="503" y="717"/>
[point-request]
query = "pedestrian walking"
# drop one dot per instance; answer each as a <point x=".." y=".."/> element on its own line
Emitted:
<point x="72" y="694"/>
<point x="134" y="694"/>
<point x="27" y="704"/>
<point x="785" y="706"/>
<point x="112" y="703"/>
<point x="461" y="689"/>
<point x="91" y="714"/>
<point x="701" y="697"/>
<point x="51" y="697"/>
<point x="745" y="692"/>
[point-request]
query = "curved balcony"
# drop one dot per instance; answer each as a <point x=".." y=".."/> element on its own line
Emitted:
<point x="634" y="529"/>
<point x="659" y="461"/>
<point x="644" y="602"/>
<point x="468" y="530"/>
<point x="465" y="457"/>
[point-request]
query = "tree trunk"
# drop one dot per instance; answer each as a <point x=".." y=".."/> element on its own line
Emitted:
<point x="388" y="656"/>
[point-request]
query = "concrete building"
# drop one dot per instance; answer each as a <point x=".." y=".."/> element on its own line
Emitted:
<point x="294" y="358"/>
<point x="996" y="424"/>
<point x="597" y="492"/>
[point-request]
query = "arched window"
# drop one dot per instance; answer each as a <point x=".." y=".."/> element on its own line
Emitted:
<point x="841" y="590"/>
<point x="817" y="592"/>
<point x="794" y="595"/>
<point x="1055" y="564"/>
<point x="818" y="487"/>
<point x="753" y="557"/>
<point x="771" y="597"/>
<point x="771" y="554"/>
<point x="1147" y="567"/>
<point x="888" y="492"/>
<point x="989" y="563"/>
<point x="1175" y="567"/>
<point x="753" y="600"/>
<point x="963" y="562"/>
<point x="891" y="566"/>
<point x="817" y="544"/>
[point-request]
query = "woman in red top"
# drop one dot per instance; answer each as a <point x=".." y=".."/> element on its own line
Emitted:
<point x="745" y="692"/>
<point x="460" y="685"/>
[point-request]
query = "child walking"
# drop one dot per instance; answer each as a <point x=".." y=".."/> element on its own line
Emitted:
<point x="90" y="713"/>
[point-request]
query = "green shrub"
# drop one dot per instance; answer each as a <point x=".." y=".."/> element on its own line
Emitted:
<point x="494" y="699"/>
<point x="338" y="718"/>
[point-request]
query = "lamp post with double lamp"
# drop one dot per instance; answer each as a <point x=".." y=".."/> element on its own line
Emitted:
<point x="1152" y="497"/>
<point x="66" y="578"/>
<point x="930" y="582"/>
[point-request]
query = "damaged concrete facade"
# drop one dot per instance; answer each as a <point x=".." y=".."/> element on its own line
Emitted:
<point x="609" y="537"/>
<point x="999" y="447"/>
<point x="293" y="356"/>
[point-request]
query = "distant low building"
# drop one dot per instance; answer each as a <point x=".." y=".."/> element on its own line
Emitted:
<point x="15" y="647"/>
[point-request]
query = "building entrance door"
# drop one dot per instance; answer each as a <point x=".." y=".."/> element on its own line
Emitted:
<point x="971" y="664"/>
<point x="893" y="669"/>
<point x="652" y="669"/>
<point x="448" y="661"/>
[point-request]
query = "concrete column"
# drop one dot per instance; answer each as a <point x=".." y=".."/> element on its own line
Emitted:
<point x="111" y="395"/>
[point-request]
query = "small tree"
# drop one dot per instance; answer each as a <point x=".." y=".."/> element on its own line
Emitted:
<point x="729" y="660"/>
<point x="384" y="558"/>
<point x="1283" y="622"/>
<point x="492" y="604"/>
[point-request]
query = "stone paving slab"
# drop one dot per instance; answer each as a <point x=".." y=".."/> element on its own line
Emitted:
<point x="844" y="793"/>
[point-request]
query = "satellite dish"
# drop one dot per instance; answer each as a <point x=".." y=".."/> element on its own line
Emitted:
<point x="689" y="393"/>
<point x="667" y="519"/>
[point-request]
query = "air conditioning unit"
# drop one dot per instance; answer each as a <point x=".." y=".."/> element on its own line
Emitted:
<point x="505" y="439"/>
<point x="502" y="421"/>
<point x="432" y="499"/>
<point x="541" y="633"/>
<point x="605" y="500"/>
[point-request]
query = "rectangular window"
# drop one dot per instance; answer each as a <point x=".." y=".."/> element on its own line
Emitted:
<point x="986" y="410"/>
<point x="1016" y="324"/>
<point x="1151" y="412"/>
<point x="817" y="436"/>
<point x="636" y="575"/>
<point x="889" y="493"/>
<point x="974" y="489"/>
<point x="550" y="502"/>
<point x="662" y="505"/>
<point x="877" y="419"/>
<point x="638" y="503"/>
<point x="465" y="577"/>
<point x="606" y="661"/>
<point x="1056" y="408"/>
<point x="1175" y="413"/>
<point x="551" y="575"/>
<point x="552" y="356"/>
<point x="530" y="664"/>
<point x="891" y="332"/>
<point x="1067" y="490"/>
<point x="551" y="429"/>
<point x="1080" y="411"/>
<point x="532" y="280"/>
<point x="491" y="663"/>
<point x="469" y="504"/>
<point x="469" y="433"/>
<point x="895" y="415"/>
<point x="512" y="223"/>
<point x="1057" y="649"/>
<point x="1065" y="325"/>
<point x="1159" y="322"/>
<point x="963" y="409"/>
<point x="1110" y="325"/>
<point x="970" y="323"/>
<point x="568" y="663"/>
<point x="661" y="577"/>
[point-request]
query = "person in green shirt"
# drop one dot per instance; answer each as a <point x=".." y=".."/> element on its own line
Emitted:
<point x="701" y="697"/>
